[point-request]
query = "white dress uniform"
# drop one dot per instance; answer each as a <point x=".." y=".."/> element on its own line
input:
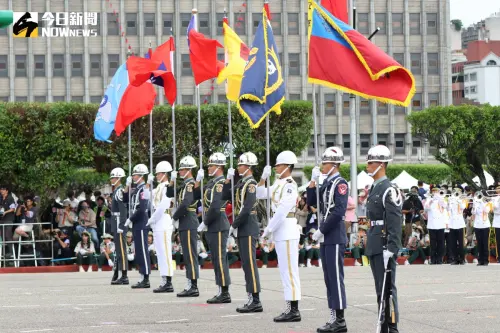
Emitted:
<point x="456" y="224"/>
<point x="482" y="230"/>
<point x="437" y="218"/>
<point x="162" y="229"/>
<point x="283" y="225"/>
<point x="496" y="224"/>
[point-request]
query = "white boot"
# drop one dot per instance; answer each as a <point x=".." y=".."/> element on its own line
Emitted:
<point x="90" y="269"/>
<point x="407" y="263"/>
<point x="320" y="264"/>
<point x="82" y="270"/>
<point x="356" y="263"/>
<point x="308" y="262"/>
<point x="426" y="262"/>
<point x="264" y="266"/>
<point x="474" y="261"/>
<point x="99" y="269"/>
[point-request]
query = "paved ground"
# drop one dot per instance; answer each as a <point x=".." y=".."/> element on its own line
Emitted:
<point x="433" y="299"/>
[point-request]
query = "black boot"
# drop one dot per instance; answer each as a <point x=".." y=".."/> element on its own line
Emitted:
<point x="165" y="286"/>
<point x="123" y="280"/>
<point x="221" y="297"/>
<point x="291" y="313"/>
<point x="143" y="284"/>
<point x="253" y="304"/>
<point x="191" y="290"/>
<point x="337" y="326"/>
<point x="393" y="328"/>
<point x="115" y="277"/>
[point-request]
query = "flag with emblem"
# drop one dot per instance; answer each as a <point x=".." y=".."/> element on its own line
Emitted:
<point x="262" y="88"/>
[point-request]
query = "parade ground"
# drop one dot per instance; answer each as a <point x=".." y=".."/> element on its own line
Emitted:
<point x="433" y="299"/>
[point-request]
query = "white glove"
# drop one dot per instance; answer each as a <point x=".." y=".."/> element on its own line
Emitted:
<point x="203" y="255"/>
<point x="151" y="178"/>
<point x="200" y="175"/>
<point x="387" y="255"/>
<point x="173" y="175"/>
<point x="317" y="235"/>
<point x="150" y="221"/>
<point x="266" y="172"/>
<point x="120" y="231"/>
<point x="110" y="263"/>
<point x="176" y="224"/>
<point x="266" y="233"/>
<point x="202" y="227"/>
<point x="128" y="223"/>
<point x="231" y="230"/>
<point x="316" y="173"/>
<point x="82" y="252"/>
<point x="129" y="181"/>
<point x="230" y="173"/>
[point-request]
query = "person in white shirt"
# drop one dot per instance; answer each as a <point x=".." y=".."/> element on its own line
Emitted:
<point x="283" y="227"/>
<point x="436" y="223"/>
<point x="456" y="206"/>
<point x="482" y="225"/>
<point x="496" y="221"/>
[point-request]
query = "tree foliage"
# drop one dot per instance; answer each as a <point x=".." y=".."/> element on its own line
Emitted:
<point x="45" y="147"/>
<point x="466" y="138"/>
<point x="458" y="24"/>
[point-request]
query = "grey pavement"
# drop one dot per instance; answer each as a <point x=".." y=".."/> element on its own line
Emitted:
<point x="433" y="299"/>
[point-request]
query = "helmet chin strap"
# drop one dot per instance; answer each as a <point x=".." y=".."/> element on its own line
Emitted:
<point x="114" y="184"/>
<point x="213" y="173"/>
<point x="184" y="177"/>
<point x="326" y="175"/>
<point x="138" y="180"/>
<point x="161" y="179"/>
<point x="280" y="174"/>
<point x="244" y="173"/>
<point x="372" y="174"/>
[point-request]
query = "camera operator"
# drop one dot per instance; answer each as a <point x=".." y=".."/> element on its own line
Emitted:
<point x="412" y="210"/>
<point x="7" y="216"/>
<point x="418" y="245"/>
<point x="27" y="215"/>
<point x="62" y="248"/>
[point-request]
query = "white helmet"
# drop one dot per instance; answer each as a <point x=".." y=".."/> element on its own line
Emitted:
<point x="140" y="169"/>
<point x="217" y="159"/>
<point x="247" y="158"/>
<point x="379" y="153"/>
<point x="187" y="162"/>
<point x="117" y="173"/>
<point x="164" y="167"/>
<point x="286" y="157"/>
<point x="333" y="155"/>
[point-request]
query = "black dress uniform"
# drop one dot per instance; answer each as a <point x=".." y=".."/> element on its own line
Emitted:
<point x="216" y="235"/>
<point x="376" y="211"/>
<point x="139" y="218"/>
<point x="247" y="236"/>
<point x="187" y="198"/>
<point x="333" y="205"/>
<point x="119" y="217"/>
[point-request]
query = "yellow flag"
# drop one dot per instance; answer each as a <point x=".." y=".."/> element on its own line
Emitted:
<point x="237" y="53"/>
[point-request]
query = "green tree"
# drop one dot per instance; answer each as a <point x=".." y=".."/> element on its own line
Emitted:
<point x="458" y="24"/>
<point x="466" y="138"/>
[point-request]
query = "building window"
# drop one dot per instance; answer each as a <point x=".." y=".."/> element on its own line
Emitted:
<point x="330" y="104"/>
<point x="466" y="78"/>
<point x="21" y="98"/>
<point x="256" y="18"/>
<point x="382" y="109"/>
<point x="363" y="25"/>
<point x="382" y="139"/>
<point x="4" y="98"/>
<point x="276" y="24"/>
<point x="473" y="77"/>
<point x="113" y="63"/>
<point x="381" y="22"/>
<point x="293" y="23"/>
<point x="40" y="99"/>
<point x="346" y="139"/>
<point x="95" y="99"/>
<point x="97" y="27"/>
<point x="76" y="65"/>
<point x="311" y="150"/>
<point x="416" y="145"/>
<point x="432" y="23"/>
<point x="185" y="18"/>
<point x="220" y="17"/>
<point x="78" y="99"/>
<point x="330" y="140"/>
<point x="294" y="64"/>
<point x="415" y="24"/>
<point x="167" y="23"/>
<point x="433" y="63"/>
<point x="399" y="110"/>
<point x="240" y="24"/>
<point x="400" y="58"/>
<point x="95" y="65"/>
<point x="364" y="140"/>
<point x="187" y="99"/>
<point x="131" y="19"/>
<point x="466" y="90"/>
<point x="222" y="98"/>
<point x="58" y="98"/>
<point x="473" y="89"/>
<point x="40" y="65"/>
<point x="294" y="97"/>
<point x="149" y="24"/>
<point x="4" y="68"/>
<point x="112" y="25"/>
<point x="364" y="106"/>
<point x="397" y="23"/>
<point x="186" y="65"/>
<point x="400" y="143"/>
<point x="345" y="104"/>
<point x="204" y="23"/>
<point x="58" y="64"/>
<point x="417" y="102"/>
<point x="416" y="63"/>
<point x="20" y="65"/>
<point x="491" y="63"/>
<point x="433" y="99"/>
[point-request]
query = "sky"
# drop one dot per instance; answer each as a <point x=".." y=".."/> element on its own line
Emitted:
<point x="473" y="11"/>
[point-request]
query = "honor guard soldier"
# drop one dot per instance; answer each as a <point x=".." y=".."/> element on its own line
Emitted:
<point x="161" y="223"/>
<point x="333" y="196"/>
<point x="246" y="230"/>
<point x="118" y="228"/>
<point x="138" y="220"/>
<point x="383" y="210"/>
<point x="185" y="214"/>
<point x="283" y="226"/>
<point x="217" y="226"/>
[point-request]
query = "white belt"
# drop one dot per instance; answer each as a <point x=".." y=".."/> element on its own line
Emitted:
<point x="377" y="222"/>
<point x="116" y="214"/>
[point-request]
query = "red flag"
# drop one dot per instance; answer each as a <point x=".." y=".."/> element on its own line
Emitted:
<point x="164" y="54"/>
<point x="268" y="11"/>
<point x="338" y="8"/>
<point x="203" y="55"/>
<point x="140" y="69"/>
<point x="136" y="102"/>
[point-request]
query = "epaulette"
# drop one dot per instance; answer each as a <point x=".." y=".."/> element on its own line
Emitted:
<point x="289" y="180"/>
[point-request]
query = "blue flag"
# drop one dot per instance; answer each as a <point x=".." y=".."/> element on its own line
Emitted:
<point x="106" y="116"/>
<point x="262" y="88"/>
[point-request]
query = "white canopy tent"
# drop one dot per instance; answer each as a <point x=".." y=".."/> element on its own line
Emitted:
<point x="489" y="179"/>
<point x="363" y="180"/>
<point x="405" y="180"/>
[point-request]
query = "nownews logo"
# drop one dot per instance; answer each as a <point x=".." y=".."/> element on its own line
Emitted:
<point x="62" y="24"/>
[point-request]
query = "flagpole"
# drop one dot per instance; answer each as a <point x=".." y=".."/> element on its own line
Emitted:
<point x="268" y="160"/>
<point x="353" y="128"/>
<point x="174" y="154"/>
<point x="316" y="147"/>
<point x="151" y="207"/>
<point x="230" y="125"/>
<point x="195" y="14"/>
<point x="129" y="53"/>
